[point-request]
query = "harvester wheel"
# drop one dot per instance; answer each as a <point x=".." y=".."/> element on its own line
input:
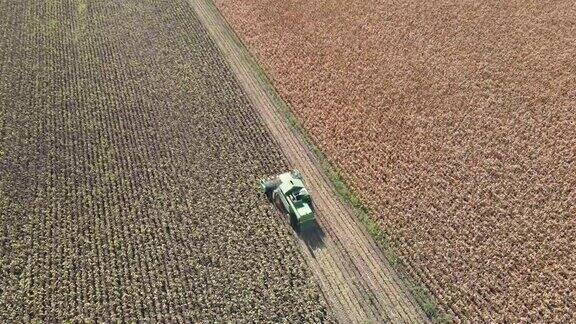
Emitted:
<point x="278" y="202"/>
<point x="269" y="194"/>
<point x="294" y="223"/>
<point x="312" y="206"/>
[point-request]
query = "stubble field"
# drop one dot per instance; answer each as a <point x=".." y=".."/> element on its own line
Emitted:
<point x="455" y="124"/>
<point x="128" y="163"/>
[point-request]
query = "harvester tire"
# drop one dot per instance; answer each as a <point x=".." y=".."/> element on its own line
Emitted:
<point x="269" y="194"/>
<point x="278" y="202"/>
<point x="294" y="223"/>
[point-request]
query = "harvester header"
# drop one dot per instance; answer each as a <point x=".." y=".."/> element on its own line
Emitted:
<point x="291" y="197"/>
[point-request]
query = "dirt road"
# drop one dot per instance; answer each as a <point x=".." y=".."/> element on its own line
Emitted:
<point x="355" y="277"/>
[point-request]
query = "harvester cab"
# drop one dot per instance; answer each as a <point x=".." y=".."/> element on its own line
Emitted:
<point x="290" y="196"/>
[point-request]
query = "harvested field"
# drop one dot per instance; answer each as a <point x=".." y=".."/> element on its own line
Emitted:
<point x="455" y="124"/>
<point x="129" y="158"/>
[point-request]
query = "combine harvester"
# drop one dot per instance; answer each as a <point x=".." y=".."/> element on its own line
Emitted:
<point x="288" y="193"/>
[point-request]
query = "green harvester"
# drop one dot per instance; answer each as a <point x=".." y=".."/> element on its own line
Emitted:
<point x="290" y="196"/>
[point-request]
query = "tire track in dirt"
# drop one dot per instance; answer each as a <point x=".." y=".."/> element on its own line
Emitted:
<point x="356" y="279"/>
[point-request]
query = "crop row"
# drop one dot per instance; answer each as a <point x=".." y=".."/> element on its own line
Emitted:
<point x="454" y="123"/>
<point x="131" y="158"/>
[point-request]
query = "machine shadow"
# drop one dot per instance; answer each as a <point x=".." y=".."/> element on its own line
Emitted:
<point x="313" y="236"/>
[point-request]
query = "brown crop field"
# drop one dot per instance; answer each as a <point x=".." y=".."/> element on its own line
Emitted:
<point x="129" y="160"/>
<point x="455" y="123"/>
